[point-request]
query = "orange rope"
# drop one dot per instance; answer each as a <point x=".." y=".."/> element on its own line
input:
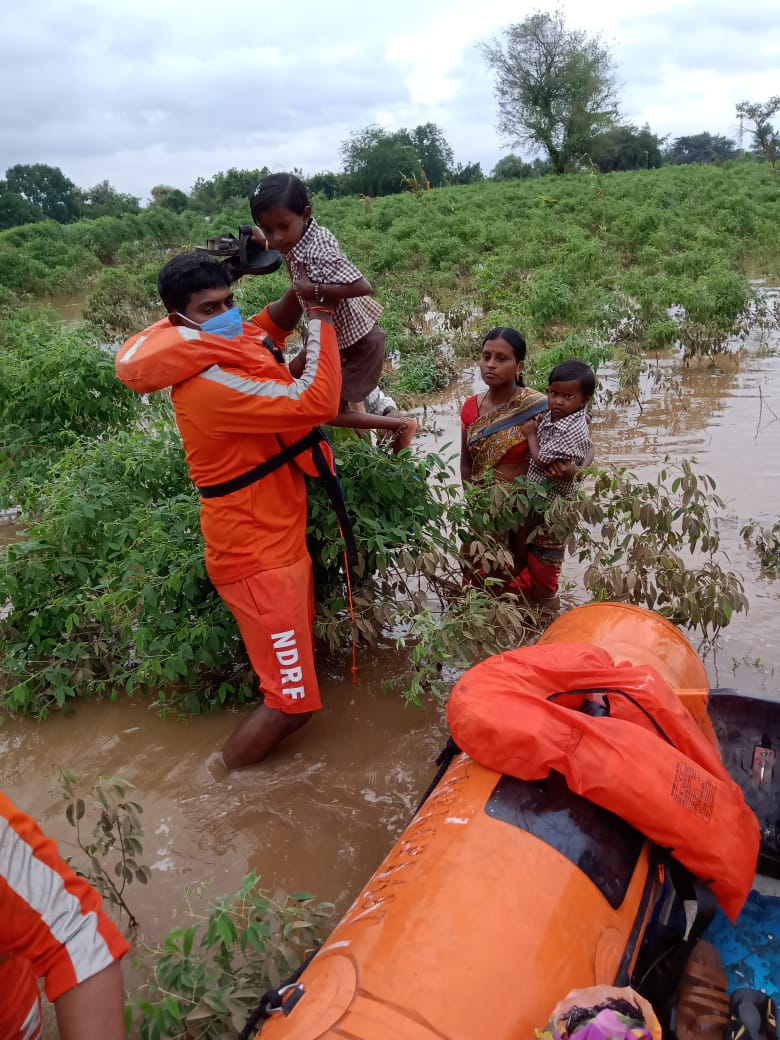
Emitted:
<point x="351" y="611"/>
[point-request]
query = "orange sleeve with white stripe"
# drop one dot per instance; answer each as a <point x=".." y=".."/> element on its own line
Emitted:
<point x="234" y="402"/>
<point x="49" y="915"/>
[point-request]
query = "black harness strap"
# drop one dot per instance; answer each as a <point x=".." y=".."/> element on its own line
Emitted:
<point x="605" y="690"/>
<point x="312" y="440"/>
<point x="270" y="346"/>
<point x="282" y="457"/>
<point x="336" y="493"/>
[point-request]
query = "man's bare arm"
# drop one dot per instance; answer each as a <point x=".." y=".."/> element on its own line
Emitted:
<point x="95" y="1009"/>
<point x="286" y="312"/>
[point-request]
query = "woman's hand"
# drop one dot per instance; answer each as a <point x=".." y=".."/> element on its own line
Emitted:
<point x="561" y="469"/>
<point x="568" y="469"/>
<point x="466" y="462"/>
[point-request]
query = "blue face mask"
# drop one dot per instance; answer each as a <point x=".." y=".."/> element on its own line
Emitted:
<point x="229" y="324"/>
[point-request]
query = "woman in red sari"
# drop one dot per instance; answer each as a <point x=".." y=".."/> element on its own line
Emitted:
<point x="493" y="442"/>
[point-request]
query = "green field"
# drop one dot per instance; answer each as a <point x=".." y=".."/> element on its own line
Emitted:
<point x="107" y="591"/>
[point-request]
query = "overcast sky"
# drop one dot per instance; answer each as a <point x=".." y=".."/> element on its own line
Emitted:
<point x="165" y="91"/>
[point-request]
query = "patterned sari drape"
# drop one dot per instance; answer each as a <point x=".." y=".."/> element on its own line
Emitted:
<point x="491" y="436"/>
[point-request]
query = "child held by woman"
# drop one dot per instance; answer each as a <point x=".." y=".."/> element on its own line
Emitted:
<point x="502" y="428"/>
<point x="561" y="433"/>
<point x="558" y="443"/>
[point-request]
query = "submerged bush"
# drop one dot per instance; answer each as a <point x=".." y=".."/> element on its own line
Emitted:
<point x="208" y="977"/>
<point x="122" y="302"/>
<point x="765" y="540"/>
<point x="56" y="385"/>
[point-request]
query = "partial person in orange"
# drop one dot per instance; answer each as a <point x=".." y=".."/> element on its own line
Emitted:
<point x="379" y="412"/>
<point x="52" y="928"/>
<point x="247" y="428"/>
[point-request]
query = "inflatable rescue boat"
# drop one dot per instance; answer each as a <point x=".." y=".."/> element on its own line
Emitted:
<point x="582" y="791"/>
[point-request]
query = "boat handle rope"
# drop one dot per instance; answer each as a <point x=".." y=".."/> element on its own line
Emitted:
<point x="273" y="1001"/>
<point x="285" y="1006"/>
<point x="443" y="760"/>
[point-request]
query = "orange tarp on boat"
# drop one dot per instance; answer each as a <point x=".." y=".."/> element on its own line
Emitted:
<point x="647" y="761"/>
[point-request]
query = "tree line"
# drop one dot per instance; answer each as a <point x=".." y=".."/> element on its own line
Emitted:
<point x="557" y="99"/>
<point x="557" y="95"/>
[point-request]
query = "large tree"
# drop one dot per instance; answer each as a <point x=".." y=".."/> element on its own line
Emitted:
<point x="512" y="168"/>
<point x="105" y="201"/>
<point x="758" y="114"/>
<point x="380" y="163"/>
<point x="434" y="153"/>
<point x="331" y="185"/>
<point x="225" y="189"/>
<point x="170" y="198"/>
<point x="555" y="87"/>
<point x="700" y="148"/>
<point x="471" y="173"/>
<point x="16" y="210"/>
<point x="47" y="188"/>
<point x="626" y="147"/>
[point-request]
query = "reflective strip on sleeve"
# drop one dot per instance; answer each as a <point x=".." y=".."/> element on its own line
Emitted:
<point x="269" y="388"/>
<point x="43" y="890"/>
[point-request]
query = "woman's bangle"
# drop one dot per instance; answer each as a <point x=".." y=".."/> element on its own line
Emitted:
<point x="319" y="295"/>
<point x="324" y="310"/>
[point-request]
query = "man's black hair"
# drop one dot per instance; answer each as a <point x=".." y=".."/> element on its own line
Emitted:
<point x="575" y="371"/>
<point x="187" y="274"/>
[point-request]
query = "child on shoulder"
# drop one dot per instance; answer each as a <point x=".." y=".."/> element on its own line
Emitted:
<point x="322" y="274"/>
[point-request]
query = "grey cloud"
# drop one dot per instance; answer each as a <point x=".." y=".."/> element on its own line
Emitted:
<point x="713" y="37"/>
<point x="180" y="101"/>
<point x="169" y="90"/>
<point x="751" y="20"/>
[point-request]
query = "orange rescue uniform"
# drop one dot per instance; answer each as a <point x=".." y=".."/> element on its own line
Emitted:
<point x="51" y="925"/>
<point x="236" y="406"/>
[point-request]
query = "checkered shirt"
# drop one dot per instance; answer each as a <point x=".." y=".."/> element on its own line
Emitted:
<point x="319" y="256"/>
<point x="561" y="439"/>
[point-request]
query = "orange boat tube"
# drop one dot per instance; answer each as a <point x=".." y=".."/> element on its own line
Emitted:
<point x="474" y="926"/>
<point x="500" y="896"/>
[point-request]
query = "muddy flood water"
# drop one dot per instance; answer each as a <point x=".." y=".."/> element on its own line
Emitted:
<point x="322" y="812"/>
